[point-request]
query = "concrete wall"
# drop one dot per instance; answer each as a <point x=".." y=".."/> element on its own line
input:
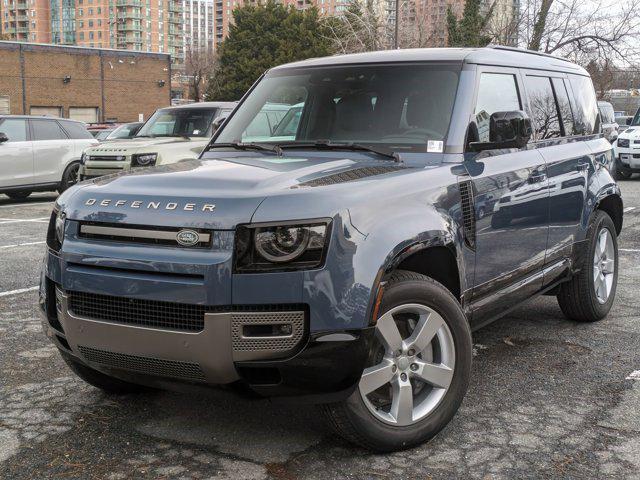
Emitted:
<point x="120" y="84"/>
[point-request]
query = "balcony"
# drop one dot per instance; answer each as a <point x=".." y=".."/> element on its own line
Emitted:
<point x="129" y="14"/>
<point x="129" y="27"/>
<point x="129" y="3"/>
<point x="22" y="6"/>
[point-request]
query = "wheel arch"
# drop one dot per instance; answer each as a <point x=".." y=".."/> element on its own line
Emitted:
<point x="611" y="202"/>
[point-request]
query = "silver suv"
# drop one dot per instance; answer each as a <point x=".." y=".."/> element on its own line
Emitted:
<point x="40" y="153"/>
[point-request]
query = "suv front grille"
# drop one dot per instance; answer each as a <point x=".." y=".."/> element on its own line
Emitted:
<point x="106" y="158"/>
<point x="133" y="311"/>
<point x="148" y="365"/>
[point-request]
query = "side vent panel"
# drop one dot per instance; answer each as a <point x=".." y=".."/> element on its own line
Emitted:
<point x="468" y="214"/>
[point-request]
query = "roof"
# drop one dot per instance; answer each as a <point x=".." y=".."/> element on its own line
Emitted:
<point x="42" y="117"/>
<point x="32" y="46"/>
<point x="493" y="55"/>
<point x="202" y="105"/>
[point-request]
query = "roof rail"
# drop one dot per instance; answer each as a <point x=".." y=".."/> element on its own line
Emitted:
<point x="529" y="52"/>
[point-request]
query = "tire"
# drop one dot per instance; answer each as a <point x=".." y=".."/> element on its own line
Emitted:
<point x="100" y="380"/>
<point x="69" y="177"/>
<point x="354" y="418"/>
<point x="579" y="299"/>
<point x="20" y="195"/>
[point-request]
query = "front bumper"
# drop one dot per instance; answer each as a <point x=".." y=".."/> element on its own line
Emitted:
<point x="321" y="367"/>
<point x="629" y="159"/>
<point x="99" y="169"/>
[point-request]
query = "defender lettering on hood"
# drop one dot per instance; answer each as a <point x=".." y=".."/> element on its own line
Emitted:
<point x="187" y="207"/>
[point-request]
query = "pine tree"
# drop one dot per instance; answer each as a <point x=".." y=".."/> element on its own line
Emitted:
<point x="262" y="37"/>
<point x="468" y="31"/>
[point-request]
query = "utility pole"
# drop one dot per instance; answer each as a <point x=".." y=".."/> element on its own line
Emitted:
<point x="396" y="43"/>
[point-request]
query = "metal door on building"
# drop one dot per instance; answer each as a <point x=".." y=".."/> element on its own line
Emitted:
<point x="5" y="108"/>
<point x="46" y="111"/>
<point x="84" y="114"/>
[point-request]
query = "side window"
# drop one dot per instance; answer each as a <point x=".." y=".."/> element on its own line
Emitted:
<point x="564" y="105"/>
<point x="586" y="120"/>
<point x="543" y="107"/>
<point x="497" y="92"/>
<point x="76" y="130"/>
<point x="15" y="129"/>
<point x="47" y="130"/>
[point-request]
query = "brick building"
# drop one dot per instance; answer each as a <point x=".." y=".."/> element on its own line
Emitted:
<point x="83" y="83"/>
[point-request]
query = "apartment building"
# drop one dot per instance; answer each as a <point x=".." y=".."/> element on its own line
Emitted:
<point x="141" y="25"/>
<point x="198" y="24"/>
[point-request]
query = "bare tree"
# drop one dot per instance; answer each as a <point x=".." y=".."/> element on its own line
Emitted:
<point x="580" y="30"/>
<point x="199" y="66"/>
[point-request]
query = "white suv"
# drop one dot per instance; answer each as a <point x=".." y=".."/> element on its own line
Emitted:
<point x="628" y="149"/>
<point x="170" y="135"/>
<point x="40" y="153"/>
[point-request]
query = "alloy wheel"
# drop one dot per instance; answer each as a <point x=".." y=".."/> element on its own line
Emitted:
<point x="604" y="266"/>
<point x="413" y="365"/>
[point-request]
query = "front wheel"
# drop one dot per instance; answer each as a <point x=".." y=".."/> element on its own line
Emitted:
<point x="69" y="177"/>
<point x="588" y="297"/>
<point x="418" y="369"/>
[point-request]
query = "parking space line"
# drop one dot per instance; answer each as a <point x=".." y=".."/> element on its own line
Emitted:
<point x="4" y="221"/>
<point x="21" y="244"/>
<point x="16" y="292"/>
<point x="628" y="209"/>
<point x="25" y="204"/>
<point x="633" y="250"/>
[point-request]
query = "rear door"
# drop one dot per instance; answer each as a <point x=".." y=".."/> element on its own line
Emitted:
<point x="16" y="155"/>
<point x="511" y="209"/>
<point x="52" y="150"/>
<point x="569" y="164"/>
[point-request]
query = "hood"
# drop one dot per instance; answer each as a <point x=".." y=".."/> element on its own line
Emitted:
<point x="631" y="133"/>
<point x="132" y="145"/>
<point x="217" y="194"/>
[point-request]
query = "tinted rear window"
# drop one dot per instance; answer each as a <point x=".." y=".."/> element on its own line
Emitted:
<point x="47" y="130"/>
<point x="76" y="130"/>
<point x="586" y="115"/>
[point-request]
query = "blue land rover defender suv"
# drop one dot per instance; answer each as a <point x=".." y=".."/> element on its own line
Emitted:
<point x="413" y="196"/>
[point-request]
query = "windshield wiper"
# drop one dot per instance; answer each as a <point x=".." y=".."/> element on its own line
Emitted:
<point x="249" y="146"/>
<point x="329" y="145"/>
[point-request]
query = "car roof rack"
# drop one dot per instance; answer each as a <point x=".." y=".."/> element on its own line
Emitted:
<point x="528" y="52"/>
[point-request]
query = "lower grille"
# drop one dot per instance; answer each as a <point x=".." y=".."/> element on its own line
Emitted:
<point x="250" y="340"/>
<point x="147" y="365"/>
<point x="107" y="158"/>
<point x="146" y="313"/>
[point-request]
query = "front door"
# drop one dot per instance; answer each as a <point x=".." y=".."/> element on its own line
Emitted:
<point x="511" y="206"/>
<point x="16" y="155"/>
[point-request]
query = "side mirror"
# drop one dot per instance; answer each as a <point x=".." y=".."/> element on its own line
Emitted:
<point x="628" y="120"/>
<point x="506" y="130"/>
<point x="3" y="137"/>
<point x="217" y="122"/>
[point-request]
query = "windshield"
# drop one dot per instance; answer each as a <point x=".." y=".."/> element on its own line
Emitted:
<point x="177" y="122"/>
<point x="399" y="106"/>
<point x="636" y="119"/>
<point x="127" y="130"/>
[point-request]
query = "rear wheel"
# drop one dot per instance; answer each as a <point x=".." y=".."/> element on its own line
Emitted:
<point x="69" y="177"/>
<point x="418" y="368"/>
<point x="588" y="297"/>
<point x="99" y="380"/>
<point x="20" y="195"/>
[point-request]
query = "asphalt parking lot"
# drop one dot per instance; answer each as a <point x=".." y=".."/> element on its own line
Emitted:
<point x="548" y="398"/>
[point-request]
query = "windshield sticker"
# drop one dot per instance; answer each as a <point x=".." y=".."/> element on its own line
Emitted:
<point x="436" y="146"/>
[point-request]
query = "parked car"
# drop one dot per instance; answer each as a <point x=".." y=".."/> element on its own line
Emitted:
<point x="171" y="135"/>
<point x="125" y="131"/>
<point x="607" y="118"/>
<point x="102" y="135"/>
<point x="348" y="265"/>
<point x="99" y="129"/>
<point x="39" y="153"/>
<point x="628" y="149"/>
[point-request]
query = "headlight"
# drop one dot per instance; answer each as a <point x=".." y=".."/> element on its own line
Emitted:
<point x="55" y="232"/>
<point x="144" y="159"/>
<point x="623" y="142"/>
<point x="281" y="247"/>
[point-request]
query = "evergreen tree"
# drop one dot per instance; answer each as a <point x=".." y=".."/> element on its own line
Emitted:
<point x="468" y="31"/>
<point x="262" y="37"/>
